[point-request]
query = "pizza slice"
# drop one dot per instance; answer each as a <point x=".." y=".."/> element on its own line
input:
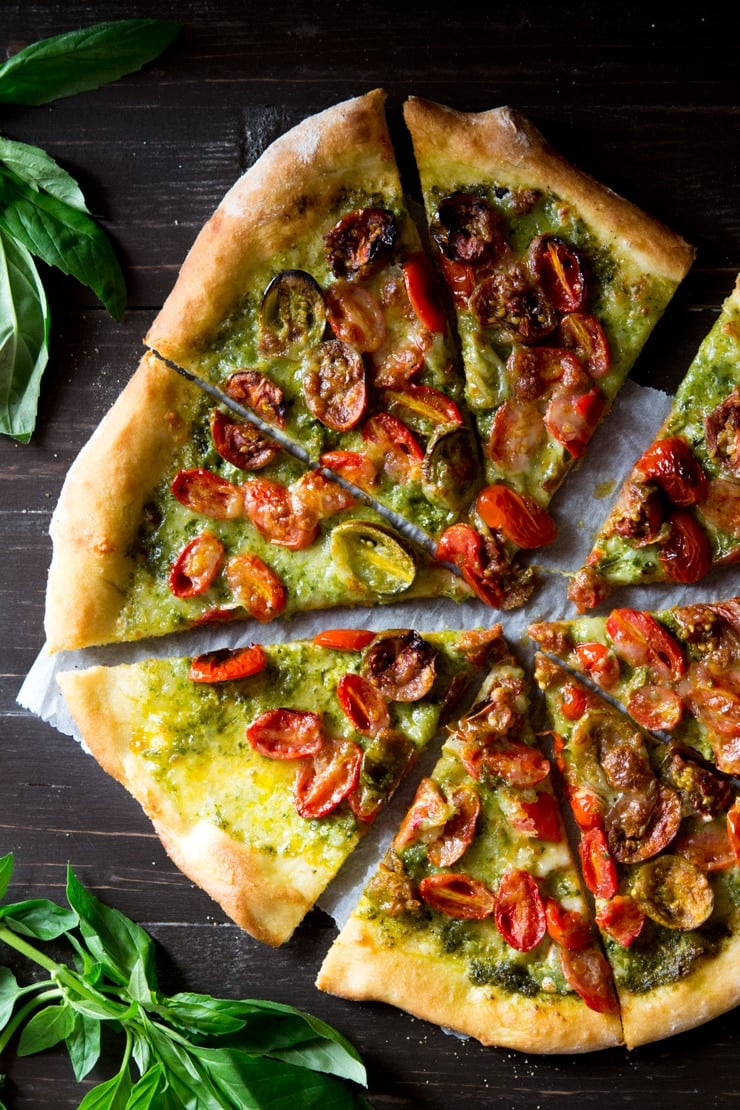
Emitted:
<point x="674" y="671"/>
<point x="556" y="282"/>
<point x="476" y="918"/>
<point x="174" y="515"/>
<point x="678" y="512"/>
<point x="262" y="767"/>
<point x="659" y="846"/>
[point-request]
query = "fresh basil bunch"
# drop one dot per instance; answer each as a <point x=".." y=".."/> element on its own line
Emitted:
<point x="191" y="1051"/>
<point x="42" y="209"/>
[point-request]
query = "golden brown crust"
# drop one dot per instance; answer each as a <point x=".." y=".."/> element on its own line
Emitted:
<point x="281" y="199"/>
<point x="101" y="503"/>
<point x="504" y="146"/>
<point x="358" y="966"/>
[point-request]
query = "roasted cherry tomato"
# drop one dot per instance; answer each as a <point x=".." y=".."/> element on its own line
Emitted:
<point x="328" y="778"/>
<point x="241" y="444"/>
<point x="467" y="229"/>
<point x="519" y="911"/>
<point x="292" y="314"/>
<point x="686" y="556"/>
<point x="568" y="928"/>
<point x="318" y="497"/>
<point x="463" y="547"/>
<point x="457" y="895"/>
<point x="255" y="586"/>
<point x="722" y="429"/>
<point x="621" y="918"/>
<point x="422" y="407"/>
<point x="713" y="699"/>
<point x="356" y="315"/>
<point x="363" y="704"/>
<point x="459" y="278"/>
<point x="256" y="391"/>
<point x="587" y="808"/>
<point x="385" y="761"/>
<point x="286" y="733"/>
<point x="517" y="434"/>
<point x="672" y="465"/>
<point x="539" y="818"/>
<point x="515" y="762"/>
<point x="516" y="516"/>
<point x="537" y="372"/>
<point x="641" y="824"/>
<point x="510" y="304"/>
<point x="643" y="642"/>
<point x="599" y="662"/>
<point x="204" y="492"/>
<point x="721" y="508"/>
<point x="588" y="974"/>
<point x="360" y="242"/>
<point x="572" y="418"/>
<point x="196" y="566"/>
<point x="656" y="707"/>
<point x="401" y="665"/>
<point x="419" y="280"/>
<point x="344" y="639"/>
<point x="599" y="869"/>
<point x="560" y="272"/>
<point x="573" y="701"/>
<point x="334" y="385"/>
<point x="277" y="515"/>
<point x="354" y="467"/>
<point x="392" y="447"/>
<point x="733" y="827"/>
<point x="639" y="514"/>
<point x="458" y="831"/>
<point x="585" y="336"/>
<point x="228" y="664"/>
<point x="708" y="846"/>
<point x="425" y="817"/>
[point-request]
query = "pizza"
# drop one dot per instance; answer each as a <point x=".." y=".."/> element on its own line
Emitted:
<point x="261" y="767"/>
<point x="674" y="671"/>
<point x="476" y="918"/>
<point x="659" y="848"/>
<point x="678" y="513"/>
<point x="556" y="284"/>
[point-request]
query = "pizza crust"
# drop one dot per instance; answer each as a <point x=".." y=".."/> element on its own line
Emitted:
<point x="359" y="967"/>
<point x="504" y="145"/>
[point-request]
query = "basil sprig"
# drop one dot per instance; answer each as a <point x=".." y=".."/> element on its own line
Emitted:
<point x="186" y="1051"/>
<point x="42" y="209"/>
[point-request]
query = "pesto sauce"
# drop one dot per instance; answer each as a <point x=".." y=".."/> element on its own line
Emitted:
<point x="660" y="956"/>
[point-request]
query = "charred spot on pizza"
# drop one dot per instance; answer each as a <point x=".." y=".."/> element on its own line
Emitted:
<point x="360" y="242"/>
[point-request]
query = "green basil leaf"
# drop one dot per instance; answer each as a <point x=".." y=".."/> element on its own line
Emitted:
<point x="113" y="1094"/>
<point x="9" y="994"/>
<point x="24" y="351"/>
<point x="39" y="170"/>
<point x="6" y="862"/>
<point x="46" y="1028"/>
<point x="139" y="987"/>
<point x="80" y="60"/>
<point x="63" y="237"/>
<point x="83" y="1045"/>
<point x="39" y="918"/>
<point x="323" y="1056"/>
<point x="199" y="1013"/>
<point x="113" y="939"/>
<point x="143" y="1092"/>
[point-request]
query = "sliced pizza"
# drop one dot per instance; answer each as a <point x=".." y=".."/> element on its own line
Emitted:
<point x="557" y="283"/>
<point x="674" y="671"/>
<point x="476" y="919"/>
<point x="262" y="767"/>
<point x="678" y="512"/>
<point x="659" y="846"/>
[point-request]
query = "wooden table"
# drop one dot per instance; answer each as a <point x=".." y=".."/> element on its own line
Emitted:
<point x="647" y="102"/>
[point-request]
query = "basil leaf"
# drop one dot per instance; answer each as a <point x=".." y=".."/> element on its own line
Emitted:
<point x="46" y="1028"/>
<point x="111" y="1095"/>
<point x="39" y="170"/>
<point x="199" y="1013"/>
<point x="80" y="60"/>
<point x="6" y="862"/>
<point x="113" y="939"/>
<point x="83" y="1045"/>
<point x="9" y="994"/>
<point x="63" y="237"/>
<point x="143" y="1092"/>
<point x="24" y="351"/>
<point x="38" y="918"/>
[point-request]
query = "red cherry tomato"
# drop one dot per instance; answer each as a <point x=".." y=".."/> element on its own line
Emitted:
<point x="517" y="434"/>
<point x="709" y="846"/>
<point x="207" y="493"/>
<point x="344" y="639"/>
<point x="255" y="586"/>
<point x="686" y="556"/>
<point x="457" y="895"/>
<point x="277" y="515"/>
<point x="587" y="808"/>
<point x="356" y="315"/>
<point x="643" y="642"/>
<point x="419" y="280"/>
<point x="459" y="829"/>
<point x="428" y="812"/>
<point x="656" y="707"/>
<point x="196" y="566"/>
<point x="519" y="911"/>
<point x="286" y="733"/>
<point x="519" y="518"/>
<point x="572" y="418"/>
<point x="334" y="385"/>
<point x="587" y="973"/>
<point x="540" y="818"/>
<point x="327" y="779"/>
<point x="352" y="466"/>
<point x="722" y="508"/>
<point x="672" y="465"/>
<point x="599" y="869"/>
<point x="560" y="272"/>
<point x="621" y="918"/>
<point x="227" y="664"/>
<point x="460" y="279"/>
<point x="598" y="662"/>
<point x="573" y="701"/>
<point x="466" y="549"/>
<point x="362" y="704"/>
<point x="317" y="497"/>
<point x="583" y="334"/>
<point x="568" y="928"/>
<point x="733" y="827"/>
<point x="422" y="402"/>
<point x="393" y="446"/>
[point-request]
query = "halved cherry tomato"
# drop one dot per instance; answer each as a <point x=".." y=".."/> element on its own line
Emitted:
<point x="686" y="556"/>
<point x="672" y="465"/>
<point x="227" y="664"/>
<point x="519" y="911"/>
<point x="641" y="824"/>
<point x="655" y="707"/>
<point x="425" y="817"/>
<point x="315" y="496"/>
<point x="196" y="566"/>
<point x="241" y="444"/>
<point x="363" y="704"/>
<point x="733" y="827"/>
<point x="713" y="699"/>
<point x="584" y="334"/>
<point x="621" y="918"/>
<point x="334" y="385"/>
<point x="352" y="466"/>
<point x="286" y="733"/>
<point x="538" y="372"/>
<point x="539" y="818"/>
<point x="517" y="433"/>
<point x="255" y="586"/>
<point x="463" y="547"/>
<point x="572" y="418"/>
<point x="559" y="269"/>
<point x="587" y="808"/>
<point x="419" y="281"/>
<point x="722" y="428"/>
<point x="573" y="701"/>
<point x="254" y="390"/>
<point x="568" y="928"/>
<point x="599" y="869"/>
<point x="643" y="642"/>
<point x="467" y="228"/>
<point x="275" y="514"/>
<point x="511" y="760"/>
<point x="393" y="446"/>
<point x="344" y="639"/>
<point x="722" y="508"/>
<point x="459" y="829"/>
<point x="457" y="895"/>
<point x="356" y="315"/>
<point x="422" y="403"/>
<point x="328" y="778"/>
<point x="401" y="665"/>
<point x="516" y="309"/>
<point x="460" y="279"/>
<point x="360" y="241"/>
<point x="598" y="662"/>
<point x="385" y="760"/>
<point x="708" y="846"/>
<point x="587" y="973"/>
<point x="518" y="517"/>
<point x="208" y="493"/>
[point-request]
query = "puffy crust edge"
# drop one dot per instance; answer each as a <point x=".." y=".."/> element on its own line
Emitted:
<point x="505" y="146"/>
<point x="358" y="967"/>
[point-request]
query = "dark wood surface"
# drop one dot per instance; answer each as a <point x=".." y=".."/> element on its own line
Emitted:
<point x="646" y="100"/>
